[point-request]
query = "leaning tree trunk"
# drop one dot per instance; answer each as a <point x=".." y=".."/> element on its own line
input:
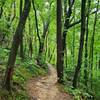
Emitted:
<point x="79" y="62"/>
<point x="15" y="45"/>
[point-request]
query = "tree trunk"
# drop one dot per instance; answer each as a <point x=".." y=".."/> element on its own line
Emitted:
<point x="30" y="40"/>
<point x="99" y="63"/>
<point x="15" y="45"/>
<point x="92" y="44"/>
<point x="86" y="46"/>
<point x="30" y="48"/>
<point x="36" y="22"/>
<point x="1" y="11"/>
<point x="73" y="41"/>
<point x="59" y="42"/>
<point x="66" y="26"/>
<point x="21" y="42"/>
<point x="79" y="62"/>
<point x="45" y="29"/>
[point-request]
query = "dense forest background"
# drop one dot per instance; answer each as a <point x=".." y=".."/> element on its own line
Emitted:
<point x="64" y="33"/>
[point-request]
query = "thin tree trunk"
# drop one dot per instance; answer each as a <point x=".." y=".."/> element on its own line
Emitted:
<point x="99" y="62"/>
<point x="21" y="43"/>
<point x="96" y="61"/>
<point x="92" y="45"/>
<point x="14" y="15"/>
<point x="45" y="29"/>
<point x="30" y="40"/>
<point x="36" y="22"/>
<point x="86" y="46"/>
<point x="37" y="29"/>
<point x="41" y="39"/>
<point x="52" y="54"/>
<point x="79" y="62"/>
<point x="66" y="24"/>
<point x="73" y="43"/>
<point x="1" y="11"/>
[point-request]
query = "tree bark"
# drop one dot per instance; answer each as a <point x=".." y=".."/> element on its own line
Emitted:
<point x="92" y="44"/>
<point x="42" y="38"/>
<point x="86" y="46"/>
<point x="45" y="29"/>
<point x="30" y="40"/>
<point x="79" y="62"/>
<point x="99" y="63"/>
<point x="59" y="42"/>
<point x="21" y="43"/>
<point x="73" y="42"/>
<point x="1" y="11"/>
<point x="66" y="24"/>
<point x="36" y="21"/>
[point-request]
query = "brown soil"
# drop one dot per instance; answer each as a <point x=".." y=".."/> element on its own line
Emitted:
<point x="46" y="88"/>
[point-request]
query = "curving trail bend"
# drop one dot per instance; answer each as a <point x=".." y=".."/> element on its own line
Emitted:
<point x="46" y="88"/>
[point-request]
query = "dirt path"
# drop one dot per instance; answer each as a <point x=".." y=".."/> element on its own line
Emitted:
<point x="45" y="88"/>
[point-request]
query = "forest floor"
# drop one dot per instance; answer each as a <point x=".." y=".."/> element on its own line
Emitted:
<point x="46" y="87"/>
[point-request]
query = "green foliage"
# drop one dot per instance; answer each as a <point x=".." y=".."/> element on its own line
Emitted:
<point x="28" y="68"/>
<point x="24" y="70"/>
<point x="78" y="93"/>
<point x="96" y="84"/>
<point x="3" y="55"/>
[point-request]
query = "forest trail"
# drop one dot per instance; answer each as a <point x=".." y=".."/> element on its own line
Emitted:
<point x="46" y="88"/>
